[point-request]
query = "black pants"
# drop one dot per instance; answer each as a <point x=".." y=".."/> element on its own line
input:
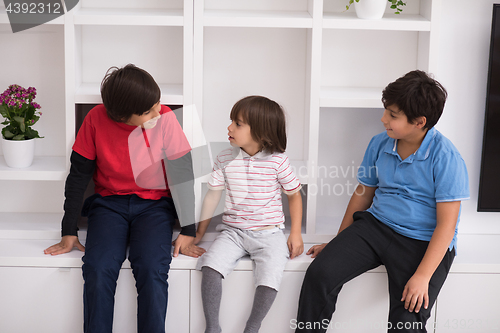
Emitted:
<point x="364" y="245"/>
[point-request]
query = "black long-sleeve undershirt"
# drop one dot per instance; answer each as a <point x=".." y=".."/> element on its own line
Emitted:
<point x="80" y="173"/>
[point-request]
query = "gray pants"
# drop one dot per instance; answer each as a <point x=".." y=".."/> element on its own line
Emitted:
<point x="267" y="249"/>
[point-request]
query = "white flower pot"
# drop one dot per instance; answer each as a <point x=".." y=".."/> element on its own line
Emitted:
<point x="18" y="154"/>
<point x="370" y="9"/>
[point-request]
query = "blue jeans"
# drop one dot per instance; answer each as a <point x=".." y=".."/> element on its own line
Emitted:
<point x="145" y="227"/>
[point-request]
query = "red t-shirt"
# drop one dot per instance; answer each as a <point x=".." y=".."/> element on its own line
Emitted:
<point x="129" y="159"/>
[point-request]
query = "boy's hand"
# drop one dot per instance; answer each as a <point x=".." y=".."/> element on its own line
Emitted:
<point x="185" y="245"/>
<point x="316" y="249"/>
<point x="416" y="293"/>
<point x="295" y="245"/>
<point x="66" y="244"/>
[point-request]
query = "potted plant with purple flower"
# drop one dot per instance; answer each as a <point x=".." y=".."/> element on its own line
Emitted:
<point x="20" y="111"/>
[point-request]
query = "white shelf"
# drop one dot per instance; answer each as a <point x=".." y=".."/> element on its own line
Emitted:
<point x="257" y="19"/>
<point x="29" y="253"/>
<point x="43" y="168"/>
<point x="351" y="97"/>
<point x="129" y="16"/>
<point x="30" y="225"/>
<point x="389" y="22"/>
<point x="476" y="255"/>
<point x="90" y="93"/>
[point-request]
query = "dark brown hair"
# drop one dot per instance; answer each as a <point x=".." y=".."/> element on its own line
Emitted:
<point x="127" y="91"/>
<point x="266" y="119"/>
<point x="416" y="94"/>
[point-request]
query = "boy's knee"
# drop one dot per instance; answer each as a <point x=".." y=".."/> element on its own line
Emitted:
<point x="102" y="264"/>
<point x="317" y="272"/>
<point x="146" y="269"/>
<point x="209" y="272"/>
<point x="100" y="273"/>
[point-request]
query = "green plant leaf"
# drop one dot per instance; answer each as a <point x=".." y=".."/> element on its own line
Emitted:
<point x="7" y="134"/>
<point x="35" y="119"/>
<point x="22" y="126"/>
<point x="18" y="137"/>
<point x="20" y="120"/>
<point x="4" y="111"/>
<point x="31" y="133"/>
<point x="30" y="112"/>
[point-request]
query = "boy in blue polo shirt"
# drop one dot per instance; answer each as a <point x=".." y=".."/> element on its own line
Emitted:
<point x="404" y="213"/>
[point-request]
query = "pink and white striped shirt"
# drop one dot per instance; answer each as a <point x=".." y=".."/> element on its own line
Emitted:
<point x="253" y="187"/>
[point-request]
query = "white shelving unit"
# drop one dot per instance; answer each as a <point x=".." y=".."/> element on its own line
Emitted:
<point x="309" y="55"/>
<point x="325" y="66"/>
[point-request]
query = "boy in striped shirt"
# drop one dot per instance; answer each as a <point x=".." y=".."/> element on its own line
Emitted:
<point x="253" y="172"/>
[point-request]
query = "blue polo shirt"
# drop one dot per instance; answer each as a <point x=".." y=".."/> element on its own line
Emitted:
<point x="407" y="191"/>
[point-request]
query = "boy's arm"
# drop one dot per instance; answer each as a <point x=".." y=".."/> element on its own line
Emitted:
<point x="295" y="243"/>
<point x="79" y="176"/>
<point x="180" y="180"/>
<point x="415" y="292"/>
<point x="361" y="200"/>
<point x="210" y="203"/>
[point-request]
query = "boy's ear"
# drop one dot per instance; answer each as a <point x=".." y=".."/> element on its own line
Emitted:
<point x="420" y="122"/>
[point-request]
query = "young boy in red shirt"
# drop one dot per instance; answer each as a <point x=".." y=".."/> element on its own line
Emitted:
<point x="123" y="214"/>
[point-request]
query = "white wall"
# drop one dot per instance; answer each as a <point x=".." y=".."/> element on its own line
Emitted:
<point x="463" y="68"/>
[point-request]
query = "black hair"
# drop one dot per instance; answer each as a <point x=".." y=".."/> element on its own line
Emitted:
<point x="128" y="90"/>
<point x="416" y="94"/>
<point x="266" y="119"/>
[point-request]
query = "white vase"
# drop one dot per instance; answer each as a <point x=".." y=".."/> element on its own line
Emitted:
<point x="18" y="153"/>
<point x="370" y="9"/>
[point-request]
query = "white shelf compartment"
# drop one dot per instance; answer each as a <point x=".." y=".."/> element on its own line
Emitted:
<point x="351" y="97"/>
<point x="43" y="168"/>
<point x="239" y="62"/>
<point x="358" y="64"/>
<point x="411" y="22"/>
<point x="257" y="18"/>
<point x="90" y="93"/>
<point x="43" y="69"/>
<point x="129" y="16"/>
<point x="156" y="49"/>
